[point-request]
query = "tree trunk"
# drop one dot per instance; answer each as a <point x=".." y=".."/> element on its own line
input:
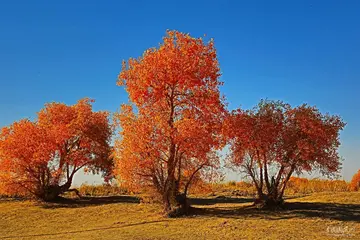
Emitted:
<point x="275" y="190"/>
<point x="272" y="198"/>
<point x="169" y="195"/>
<point x="269" y="201"/>
<point x="52" y="192"/>
<point x="175" y="203"/>
<point x="166" y="202"/>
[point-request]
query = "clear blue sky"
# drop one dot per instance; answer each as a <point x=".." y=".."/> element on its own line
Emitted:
<point x="296" y="51"/>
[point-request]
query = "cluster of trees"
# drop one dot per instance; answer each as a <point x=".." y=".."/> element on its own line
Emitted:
<point x="170" y="133"/>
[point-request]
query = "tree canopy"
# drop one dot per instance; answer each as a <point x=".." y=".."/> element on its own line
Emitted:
<point x="41" y="157"/>
<point x="274" y="140"/>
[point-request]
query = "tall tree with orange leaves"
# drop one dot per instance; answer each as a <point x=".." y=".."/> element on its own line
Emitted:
<point x="40" y="158"/>
<point x="171" y="136"/>
<point x="274" y="140"/>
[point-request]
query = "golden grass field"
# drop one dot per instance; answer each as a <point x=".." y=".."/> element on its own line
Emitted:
<point x="316" y="216"/>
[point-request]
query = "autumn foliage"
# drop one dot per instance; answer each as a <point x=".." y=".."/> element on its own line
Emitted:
<point x="272" y="141"/>
<point x="39" y="158"/>
<point x="355" y="182"/>
<point x="169" y="137"/>
<point x="169" y="134"/>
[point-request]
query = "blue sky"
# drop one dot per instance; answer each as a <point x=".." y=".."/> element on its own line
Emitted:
<point x="296" y="51"/>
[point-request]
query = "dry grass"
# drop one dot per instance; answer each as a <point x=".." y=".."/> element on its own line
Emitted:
<point x="318" y="216"/>
<point x="296" y="186"/>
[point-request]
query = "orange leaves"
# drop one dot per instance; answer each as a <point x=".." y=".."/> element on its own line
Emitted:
<point x="355" y="182"/>
<point x="275" y="132"/>
<point x="273" y="140"/>
<point x="178" y="115"/>
<point x="181" y="60"/>
<point x="316" y="136"/>
<point x="51" y="149"/>
<point x="24" y="141"/>
<point x="23" y="147"/>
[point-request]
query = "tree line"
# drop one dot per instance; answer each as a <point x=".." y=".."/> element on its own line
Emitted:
<point x="169" y="135"/>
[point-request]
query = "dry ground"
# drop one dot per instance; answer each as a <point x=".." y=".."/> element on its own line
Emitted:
<point x="319" y="216"/>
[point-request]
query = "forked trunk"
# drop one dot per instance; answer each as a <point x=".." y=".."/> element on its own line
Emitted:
<point x="268" y="201"/>
<point x="273" y="198"/>
<point x="52" y="192"/>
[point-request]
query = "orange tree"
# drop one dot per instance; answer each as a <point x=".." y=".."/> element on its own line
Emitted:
<point x="355" y="182"/>
<point x="274" y="140"/>
<point x="170" y="133"/>
<point x="40" y="158"/>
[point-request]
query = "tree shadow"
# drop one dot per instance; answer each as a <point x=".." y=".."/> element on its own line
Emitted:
<point x="334" y="211"/>
<point x="331" y="211"/>
<point x="217" y="200"/>
<point x="226" y="199"/>
<point x="89" y="201"/>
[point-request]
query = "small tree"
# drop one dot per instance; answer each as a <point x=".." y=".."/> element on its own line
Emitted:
<point x="273" y="140"/>
<point x="355" y="182"/>
<point x="171" y="138"/>
<point x="40" y="158"/>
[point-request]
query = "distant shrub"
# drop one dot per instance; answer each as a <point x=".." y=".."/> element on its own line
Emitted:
<point x="231" y="183"/>
<point x="355" y="182"/>
<point x="101" y="190"/>
<point x="201" y="187"/>
<point x="298" y="185"/>
<point x="231" y="188"/>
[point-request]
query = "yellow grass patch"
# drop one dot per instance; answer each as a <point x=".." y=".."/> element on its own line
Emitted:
<point x="318" y="216"/>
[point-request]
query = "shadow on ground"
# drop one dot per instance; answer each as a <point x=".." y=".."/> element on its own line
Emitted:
<point x="226" y="199"/>
<point x="332" y="211"/>
<point x="89" y="201"/>
<point x="217" y="200"/>
<point x="207" y="207"/>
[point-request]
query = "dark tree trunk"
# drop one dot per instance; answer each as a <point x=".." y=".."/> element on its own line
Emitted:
<point x="275" y="190"/>
<point x="168" y="195"/>
<point x="166" y="202"/>
<point x="52" y="192"/>
<point x="175" y="203"/>
<point x="272" y="199"/>
<point x="180" y="207"/>
<point x="268" y="201"/>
